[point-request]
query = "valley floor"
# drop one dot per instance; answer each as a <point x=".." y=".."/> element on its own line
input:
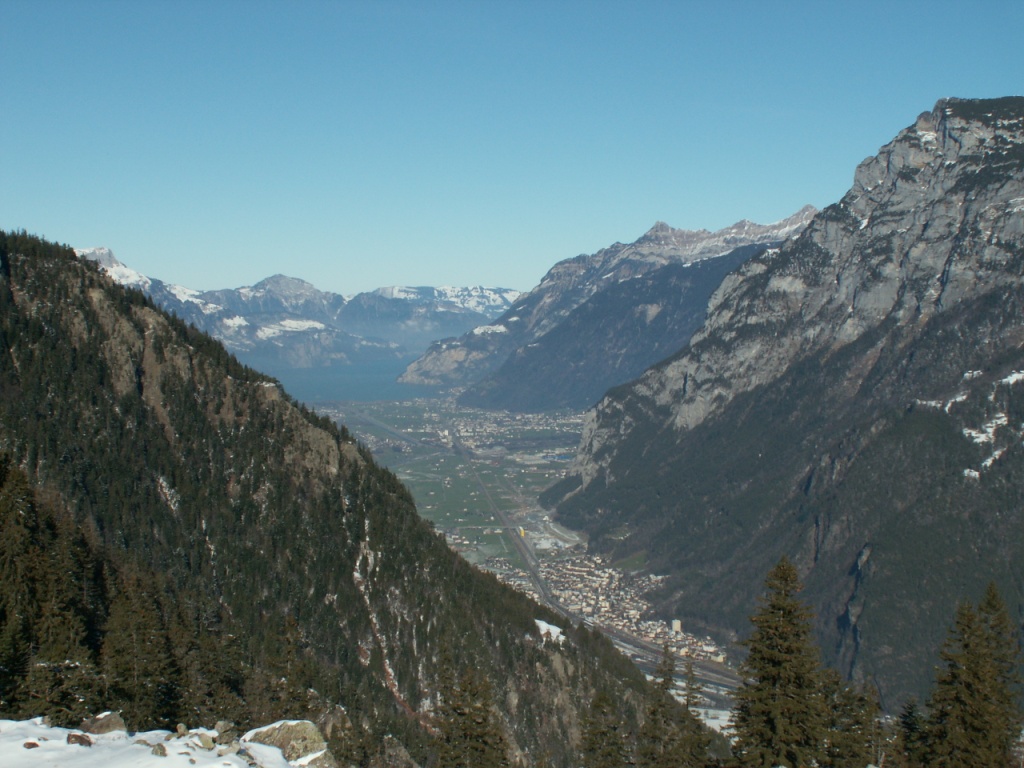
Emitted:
<point x="477" y="474"/>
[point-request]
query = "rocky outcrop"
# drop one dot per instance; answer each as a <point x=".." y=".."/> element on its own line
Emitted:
<point x="933" y="218"/>
<point x="848" y="402"/>
<point x="300" y="741"/>
<point x="107" y="722"/>
<point x="591" y="289"/>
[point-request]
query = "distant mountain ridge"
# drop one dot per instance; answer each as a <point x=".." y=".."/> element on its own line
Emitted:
<point x="287" y="322"/>
<point x="596" y="320"/>
<point x="853" y="401"/>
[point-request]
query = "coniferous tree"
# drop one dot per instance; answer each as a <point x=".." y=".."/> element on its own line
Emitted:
<point x="1002" y="646"/>
<point x="961" y="711"/>
<point x="136" y="657"/>
<point x="62" y="681"/>
<point x="850" y="732"/>
<point x="470" y="734"/>
<point x="672" y="736"/>
<point x="19" y="555"/>
<point x="911" y="737"/>
<point x="210" y="662"/>
<point x="696" y="736"/>
<point x="779" y="716"/>
<point x="658" y="738"/>
<point x="604" y="739"/>
<point x="974" y="716"/>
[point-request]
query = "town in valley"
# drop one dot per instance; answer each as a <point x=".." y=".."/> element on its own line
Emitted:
<point x="476" y="475"/>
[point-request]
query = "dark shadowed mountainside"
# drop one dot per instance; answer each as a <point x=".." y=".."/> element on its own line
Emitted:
<point x="853" y="400"/>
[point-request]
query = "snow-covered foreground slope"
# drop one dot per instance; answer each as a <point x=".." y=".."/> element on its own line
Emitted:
<point x="30" y="743"/>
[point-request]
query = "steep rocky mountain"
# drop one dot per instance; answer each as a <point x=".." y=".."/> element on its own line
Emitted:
<point x="166" y="452"/>
<point x="596" y="320"/>
<point x="283" y="322"/>
<point x="853" y="400"/>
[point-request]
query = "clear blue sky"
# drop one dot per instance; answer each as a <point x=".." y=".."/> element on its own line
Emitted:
<point x="361" y="144"/>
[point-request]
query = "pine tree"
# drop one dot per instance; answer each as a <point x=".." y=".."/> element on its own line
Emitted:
<point x="974" y="715"/>
<point x="911" y="737"/>
<point x="659" y="735"/>
<point x="672" y="736"/>
<point x="62" y="681"/>
<point x="850" y="726"/>
<point x="779" y="716"/>
<point x="470" y="733"/>
<point x="604" y="740"/>
<point x="696" y="738"/>
<point x="19" y="556"/>
<point x="961" y="709"/>
<point x="1002" y="646"/>
<point x="136" y="659"/>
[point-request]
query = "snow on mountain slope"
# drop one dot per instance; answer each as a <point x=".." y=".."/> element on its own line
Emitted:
<point x="283" y="322"/>
<point x="573" y="283"/>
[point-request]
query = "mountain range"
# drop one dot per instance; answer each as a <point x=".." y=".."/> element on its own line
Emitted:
<point x="286" y="323"/>
<point x="597" y="320"/>
<point x="853" y="400"/>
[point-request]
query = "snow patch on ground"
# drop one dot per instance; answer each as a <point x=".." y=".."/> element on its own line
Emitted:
<point x="987" y="433"/>
<point x="118" y="749"/>
<point x="550" y="631"/>
<point x="1014" y="378"/>
<point x="717" y="719"/>
<point x="288" y="326"/>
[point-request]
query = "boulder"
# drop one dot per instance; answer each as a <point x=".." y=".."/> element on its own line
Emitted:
<point x="297" y="740"/>
<point x="103" y="723"/>
<point x="80" y="739"/>
<point x="227" y="732"/>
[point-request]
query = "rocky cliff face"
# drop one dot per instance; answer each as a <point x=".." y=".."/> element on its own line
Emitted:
<point x="590" y="292"/>
<point x="933" y="218"/>
<point x="813" y="363"/>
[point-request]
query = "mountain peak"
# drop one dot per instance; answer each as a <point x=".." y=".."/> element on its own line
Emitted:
<point x="283" y="284"/>
<point x="118" y="271"/>
<point x="695" y="244"/>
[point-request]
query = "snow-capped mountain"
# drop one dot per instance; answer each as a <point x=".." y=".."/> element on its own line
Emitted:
<point x="285" y="322"/>
<point x="597" y="320"/>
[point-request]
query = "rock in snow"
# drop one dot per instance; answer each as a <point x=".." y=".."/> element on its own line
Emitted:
<point x="287" y="744"/>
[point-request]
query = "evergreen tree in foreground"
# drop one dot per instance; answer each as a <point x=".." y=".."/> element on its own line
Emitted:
<point x="672" y="736"/>
<point x="851" y="732"/>
<point x="911" y="737"/>
<point x="604" y="740"/>
<point x="974" y="713"/>
<point x="780" y="715"/>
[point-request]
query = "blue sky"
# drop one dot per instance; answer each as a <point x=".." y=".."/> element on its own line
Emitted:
<point x="362" y="144"/>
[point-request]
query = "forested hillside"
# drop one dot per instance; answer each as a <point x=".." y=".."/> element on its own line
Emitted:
<point x="265" y="551"/>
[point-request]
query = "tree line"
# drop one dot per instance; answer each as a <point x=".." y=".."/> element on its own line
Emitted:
<point x="791" y="711"/>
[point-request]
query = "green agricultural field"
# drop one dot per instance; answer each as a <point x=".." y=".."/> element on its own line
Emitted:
<point x="475" y="474"/>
